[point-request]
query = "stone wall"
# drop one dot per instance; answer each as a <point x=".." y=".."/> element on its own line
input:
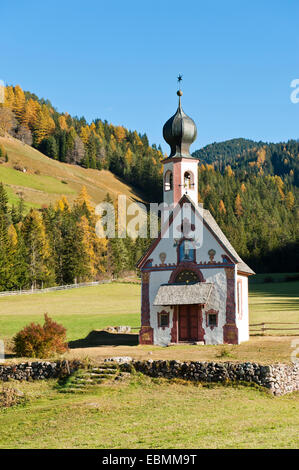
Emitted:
<point x="278" y="378"/>
<point x="38" y="370"/>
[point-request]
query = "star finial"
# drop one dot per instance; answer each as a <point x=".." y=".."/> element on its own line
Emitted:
<point x="179" y="92"/>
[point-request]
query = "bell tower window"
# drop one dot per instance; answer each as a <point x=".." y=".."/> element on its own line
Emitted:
<point x="168" y="181"/>
<point x="188" y="180"/>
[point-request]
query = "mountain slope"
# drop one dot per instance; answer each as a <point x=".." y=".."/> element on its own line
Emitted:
<point x="45" y="180"/>
<point x="254" y="158"/>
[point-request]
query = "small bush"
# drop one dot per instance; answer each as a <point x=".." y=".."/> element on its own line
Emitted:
<point x="40" y="341"/>
<point x="224" y="352"/>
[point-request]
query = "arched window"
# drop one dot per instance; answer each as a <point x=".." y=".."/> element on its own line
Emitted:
<point x="168" y="181"/>
<point x="188" y="180"/>
<point x="186" y="277"/>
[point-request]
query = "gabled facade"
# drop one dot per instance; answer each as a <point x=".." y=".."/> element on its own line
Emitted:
<point x="194" y="284"/>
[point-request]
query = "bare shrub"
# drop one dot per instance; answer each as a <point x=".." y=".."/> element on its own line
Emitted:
<point x="40" y="341"/>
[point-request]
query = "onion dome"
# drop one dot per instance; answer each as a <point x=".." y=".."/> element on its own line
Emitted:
<point x="180" y="132"/>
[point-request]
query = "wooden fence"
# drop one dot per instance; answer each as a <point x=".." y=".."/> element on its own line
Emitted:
<point x="262" y="328"/>
<point x="50" y="289"/>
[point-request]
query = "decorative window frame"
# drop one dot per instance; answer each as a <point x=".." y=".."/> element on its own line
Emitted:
<point x="168" y="181"/>
<point x="182" y="240"/>
<point x="239" y="300"/>
<point x="212" y="312"/>
<point x="186" y="266"/>
<point x="159" y="314"/>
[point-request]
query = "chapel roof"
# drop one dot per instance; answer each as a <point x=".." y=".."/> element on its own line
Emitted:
<point x="178" y="294"/>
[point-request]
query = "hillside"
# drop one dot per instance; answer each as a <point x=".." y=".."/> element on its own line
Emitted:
<point x="46" y="179"/>
<point x="254" y="158"/>
<point x="98" y="145"/>
<point x="251" y="188"/>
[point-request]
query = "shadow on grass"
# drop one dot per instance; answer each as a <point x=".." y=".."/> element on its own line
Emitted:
<point x="104" y="338"/>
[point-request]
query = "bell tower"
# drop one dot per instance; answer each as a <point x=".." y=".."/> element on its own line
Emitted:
<point x="180" y="175"/>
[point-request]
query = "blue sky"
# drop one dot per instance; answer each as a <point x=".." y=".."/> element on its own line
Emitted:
<point x="119" y="61"/>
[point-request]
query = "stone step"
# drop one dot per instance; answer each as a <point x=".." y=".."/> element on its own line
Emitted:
<point x="107" y="365"/>
<point x="84" y="381"/>
<point x="103" y="370"/>
<point x="100" y="374"/>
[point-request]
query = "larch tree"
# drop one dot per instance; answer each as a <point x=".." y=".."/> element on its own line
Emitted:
<point x="238" y="206"/>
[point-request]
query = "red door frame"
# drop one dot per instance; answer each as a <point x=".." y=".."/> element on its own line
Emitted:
<point x="191" y="334"/>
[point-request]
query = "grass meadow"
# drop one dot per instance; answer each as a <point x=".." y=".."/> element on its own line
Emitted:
<point x="142" y="412"/>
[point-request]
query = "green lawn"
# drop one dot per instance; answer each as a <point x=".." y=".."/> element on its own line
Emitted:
<point x="151" y="413"/>
<point x="38" y="182"/>
<point x="143" y="412"/>
<point x="84" y="309"/>
<point x="79" y="310"/>
<point x="277" y="302"/>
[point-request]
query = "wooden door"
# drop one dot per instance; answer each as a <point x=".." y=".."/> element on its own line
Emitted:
<point x="188" y="323"/>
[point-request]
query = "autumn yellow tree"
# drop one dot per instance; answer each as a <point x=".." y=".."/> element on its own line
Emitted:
<point x="29" y="116"/>
<point x="84" y="134"/>
<point x="95" y="248"/>
<point x="44" y="125"/>
<point x="120" y="133"/>
<point x="229" y="170"/>
<point x="9" y="97"/>
<point x="87" y="241"/>
<point x="129" y="156"/>
<point x="290" y="200"/>
<point x="261" y="156"/>
<point x="222" y="208"/>
<point x="62" y="123"/>
<point x="62" y="205"/>
<point x="19" y="103"/>
<point x="280" y="185"/>
<point x="238" y="206"/>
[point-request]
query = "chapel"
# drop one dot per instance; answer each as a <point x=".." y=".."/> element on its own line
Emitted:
<point x="194" y="283"/>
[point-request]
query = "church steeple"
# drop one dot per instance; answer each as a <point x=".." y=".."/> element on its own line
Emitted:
<point x="180" y="132"/>
<point x="180" y="168"/>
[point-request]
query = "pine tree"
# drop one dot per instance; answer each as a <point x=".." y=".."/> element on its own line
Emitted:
<point x="38" y="250"/>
